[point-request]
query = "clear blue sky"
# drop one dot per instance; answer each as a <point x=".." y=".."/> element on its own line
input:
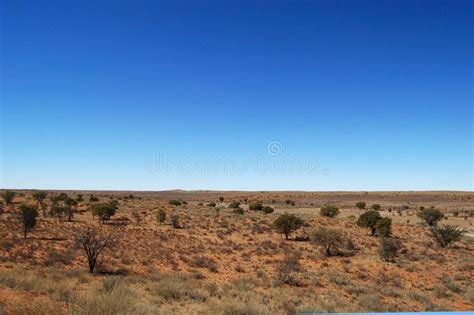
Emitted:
<point x="379" y="93"/>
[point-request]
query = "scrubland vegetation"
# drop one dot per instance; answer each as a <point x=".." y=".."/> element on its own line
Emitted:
<point x="234" y="253"/>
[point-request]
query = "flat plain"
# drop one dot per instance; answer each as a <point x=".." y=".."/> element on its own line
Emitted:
<point x="208" y="258"/>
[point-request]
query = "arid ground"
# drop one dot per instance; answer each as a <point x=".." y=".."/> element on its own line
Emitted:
<point x="215" y="261"/>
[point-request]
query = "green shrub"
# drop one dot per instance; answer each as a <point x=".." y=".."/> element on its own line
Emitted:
<point x="328" y="238"/>
<point x="329" y="211"/>
<point x="287" y="223"/>
<point x="104" y="211"/>
<point x="376" y="206"/>
<point x="211" y="204"/>
<point x="361" y="205"/>
<point x="447" y="234"/>
<point x="175" y="202"/>
<point x="389" y="248"/>
<point x="431" y="216"/>
<point x="268" y="209"/>
<point x="369" y="220"/>
<point x="239" y="211"/>
<point x="234" y="205"/>
<point x="161" y="216"/>
<point x="175" y="221"/>
<point x="383" y="227"/>
<point x="256" y="206"/>
<point x="27" y="217"/>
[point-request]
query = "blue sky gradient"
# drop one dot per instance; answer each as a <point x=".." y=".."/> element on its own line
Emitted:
<point x="378" y="93"/>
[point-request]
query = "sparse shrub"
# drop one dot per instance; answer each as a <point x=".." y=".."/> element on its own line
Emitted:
<point x="329" y="211"/>
<point x="234" y="205"/>
<point x="289" y="202"/>
<point x="422" y="208"/>
<point x="268" y="209"/>
<point x="161" y="216"/>
<point x="330" y="239"/>
<point x="287" y="223"/>
<point x="175" y="221"/>
<point x="369" y="220"/>
<point x="9" y="196"/>
<point x="175" y="202"/>
<point x="383" y="227"/>
<point x="221" y="199"/>
<point x="447" y="234"/>
<point x="57" y="211"/>
<point x="94" y="241"/>
<point x="389" y="248"/>
<point x="361" y="205"/>
<point x="431" y="216"/>
<point x="93" y="198"/>
<point x="238" y="211"/>
<point x="287" y="270"/>
<point x="256" y="206"/>
<point x="27" y="217"/>
<point x="211" y="204"/>
<point x="376" y="206"/>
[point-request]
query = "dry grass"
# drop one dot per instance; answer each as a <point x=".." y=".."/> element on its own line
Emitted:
<point x="222" y="263"/>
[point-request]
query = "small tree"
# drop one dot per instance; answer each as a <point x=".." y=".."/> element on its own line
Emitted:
<point x="447" y="234"/>
<point x="27" y="217"/>
<point x="287" y="223"/>
<point x="70" y="208"/>
<point x="256" y="206"/>
<point x="40" y="196"/>
<point x="329" y="211"/>
<point x="221" y="199"/>
<point x="431" y="216"/>
<point x="161" y="216"/>
<point x="388" y="248"/>
<point x="376" y="206"/>
<point x="369" y="220"/>
<point x="361" y="205"/>
<point x="9" y="196"/>
<point x="328" y="238"/>
<point x="104" y="211"/>
<point x="94" y="242"/>
<point x="383" y="227"/>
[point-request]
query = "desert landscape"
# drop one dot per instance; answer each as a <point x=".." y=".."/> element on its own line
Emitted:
<point x="226" y="252"/>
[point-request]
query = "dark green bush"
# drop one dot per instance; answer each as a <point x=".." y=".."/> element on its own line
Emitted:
<point x="256" y="206"/>
<point x="431" y="216"/>
<point x="329" y="211"/>
<point x="287" y="223"/>
<point x="268" y="209"/>
<point x="369" y="220"/>
<point x="27" y="217"/>
<point x="383" y="227"/>
<point x="376" y="206"/>
<point x="361" y="205"/>
<point x="175" y="202"/>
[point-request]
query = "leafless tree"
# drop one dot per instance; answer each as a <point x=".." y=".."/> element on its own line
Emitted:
<point x="94" y="241"/>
